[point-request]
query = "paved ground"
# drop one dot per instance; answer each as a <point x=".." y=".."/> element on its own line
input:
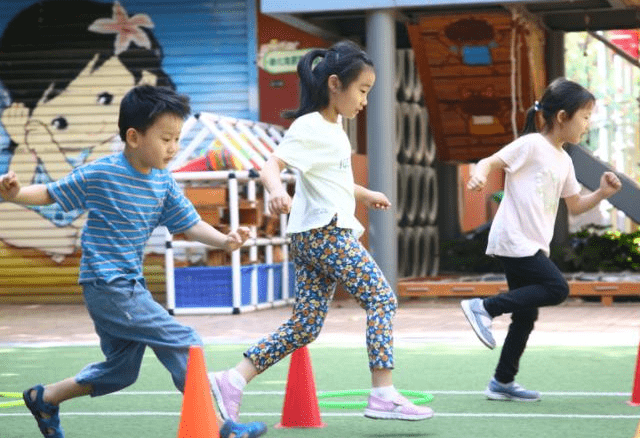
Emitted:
<point x="423" y="321"/>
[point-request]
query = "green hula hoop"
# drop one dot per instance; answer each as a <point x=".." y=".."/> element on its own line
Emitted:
<point x="421" y="398"/>
<point x="10" y="404"/>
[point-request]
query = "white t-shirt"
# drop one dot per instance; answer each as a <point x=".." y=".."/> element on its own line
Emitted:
<point x="320" y="154"/>
<point x="537" y="175"/>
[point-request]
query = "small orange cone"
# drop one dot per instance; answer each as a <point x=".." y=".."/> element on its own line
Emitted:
<point x="198" y="418"/>
<point x="635" y="395"/>
<point x="300" y="401"/>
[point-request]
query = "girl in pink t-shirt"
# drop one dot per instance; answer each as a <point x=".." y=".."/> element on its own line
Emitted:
<point x="538" y="173"/>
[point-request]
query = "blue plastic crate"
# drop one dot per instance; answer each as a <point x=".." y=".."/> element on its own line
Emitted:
<point x="263" y="277"/>
<point x="292" y="281"/>
<point x="263" y="272"/>
<point x="210" y="286"/>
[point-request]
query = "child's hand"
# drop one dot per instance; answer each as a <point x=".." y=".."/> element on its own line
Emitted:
<point x="236" y="238"/>
<point x="280" y="202"/>
<point x="609" y="184"/>
<point x="377" y="200"/>
<point x="9" y="186"/>
<point x="477" y="180"/>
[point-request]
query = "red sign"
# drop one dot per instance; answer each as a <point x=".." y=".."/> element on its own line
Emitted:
<point x="626" y="40"/>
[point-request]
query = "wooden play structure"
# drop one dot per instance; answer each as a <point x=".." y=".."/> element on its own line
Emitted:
<point x="480" y="72"/>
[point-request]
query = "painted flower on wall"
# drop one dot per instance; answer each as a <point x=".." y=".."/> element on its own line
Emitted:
<point x="127" y="29"/>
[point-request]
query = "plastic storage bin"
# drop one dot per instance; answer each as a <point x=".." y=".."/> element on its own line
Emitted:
<point x="263" y="276"/>
<point x="210" y="286"/>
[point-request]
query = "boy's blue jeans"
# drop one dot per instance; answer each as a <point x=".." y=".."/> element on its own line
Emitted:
<point x="127" y="320"/>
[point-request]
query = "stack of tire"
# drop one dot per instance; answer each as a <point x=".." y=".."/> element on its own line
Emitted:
<point x="417" y="189"/>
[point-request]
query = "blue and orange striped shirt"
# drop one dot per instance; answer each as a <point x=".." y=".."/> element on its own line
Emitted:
<point x="125" y="206"/>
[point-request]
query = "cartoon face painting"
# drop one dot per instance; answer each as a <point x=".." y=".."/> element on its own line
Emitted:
<point x="65" y="91"/>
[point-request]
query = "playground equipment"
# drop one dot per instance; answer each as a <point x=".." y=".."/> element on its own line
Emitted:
<point x="257" y="275"/>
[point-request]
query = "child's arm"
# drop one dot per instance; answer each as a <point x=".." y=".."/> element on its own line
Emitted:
<point x="279" y="199"/>
<point x="609" y="185"/>
<point x="35" y="194"/>
<point x="482" y="170"/>
<point x="370" y="198"/>
<point x="205" y="233"/>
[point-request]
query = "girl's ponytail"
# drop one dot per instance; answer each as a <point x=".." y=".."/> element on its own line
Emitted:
<point x="309" y="84"/>
<point x="530" y="121"/>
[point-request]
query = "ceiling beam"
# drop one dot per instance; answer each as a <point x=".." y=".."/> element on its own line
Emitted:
<point x="307" y="27"/>
<point x="592" y="19"/>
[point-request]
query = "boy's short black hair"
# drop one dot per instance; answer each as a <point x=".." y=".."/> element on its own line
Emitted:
<point x="142" y="105"/>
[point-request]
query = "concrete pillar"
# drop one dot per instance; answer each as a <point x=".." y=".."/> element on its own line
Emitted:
<point x="555" y="69"/>
<point x="381" y="47"/>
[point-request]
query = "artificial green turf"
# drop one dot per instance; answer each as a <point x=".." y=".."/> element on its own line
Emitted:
<point x="419" y="367"/>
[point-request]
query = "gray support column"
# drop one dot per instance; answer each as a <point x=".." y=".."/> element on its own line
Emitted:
<point x="555" y="55"/>
<point x="448" y="213"/>
<point x="555" y="69"/>
<point x="381" y="47"/>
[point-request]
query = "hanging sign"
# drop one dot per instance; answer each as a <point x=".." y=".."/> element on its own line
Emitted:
<point x="282" y="61"/>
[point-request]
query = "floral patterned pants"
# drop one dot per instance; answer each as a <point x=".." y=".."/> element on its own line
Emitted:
<point x="322" y="257"/>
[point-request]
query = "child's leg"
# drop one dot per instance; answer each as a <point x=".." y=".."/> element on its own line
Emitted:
<point x="132" y="321"/>
<point x="521" y="326"/>
<point x="314" y="290"/>
<point x="265" y="352"/>
<point x="43" y="404"/>
<point x="118" y="321"/>
<point x="63" y="390"/>
<point x="354" y="267"/>
<point x="533" y="282"/>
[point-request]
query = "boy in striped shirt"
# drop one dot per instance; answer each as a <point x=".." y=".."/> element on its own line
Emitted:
<point x="127" y="195"/>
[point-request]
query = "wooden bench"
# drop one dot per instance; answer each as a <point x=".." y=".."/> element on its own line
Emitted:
<point x="484" y="286"/>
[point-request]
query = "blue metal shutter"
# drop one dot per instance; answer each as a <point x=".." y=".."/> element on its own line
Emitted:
<point x="209" y="51"/>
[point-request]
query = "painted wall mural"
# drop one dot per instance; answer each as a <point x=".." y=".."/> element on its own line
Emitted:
<point x="64" y="102"/>
<point x="64" y="67"/>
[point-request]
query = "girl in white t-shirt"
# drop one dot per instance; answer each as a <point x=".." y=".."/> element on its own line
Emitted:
<point x="538" y="173"/>
<point x="324" y="232"/>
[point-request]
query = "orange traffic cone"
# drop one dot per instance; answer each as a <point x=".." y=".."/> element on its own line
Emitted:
<point x="635" y="395"/>
<point x="300" y="401"/>
<point x="198" y="418"/>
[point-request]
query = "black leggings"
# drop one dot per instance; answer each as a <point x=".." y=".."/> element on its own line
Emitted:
<point x="534" y="282"/>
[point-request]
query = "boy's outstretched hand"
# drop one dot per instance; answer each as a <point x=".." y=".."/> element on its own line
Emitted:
<point x="609" y="184"/>
<point x="9" y="186"/>
<point x="236" y="238"/>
